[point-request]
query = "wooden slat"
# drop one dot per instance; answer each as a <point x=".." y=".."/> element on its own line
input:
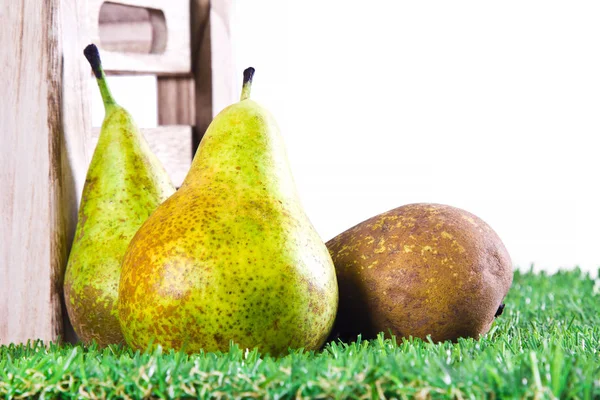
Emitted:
<point x="171" y="144"/>
<point x="175" y="97"/>
<point x="212" y="59"/>
<point x="202" y="68"/>
<point x="177" y="103"/>
<point x="44" y="118"/>
<point x="111" y="13"/>
<point x="125" y="29"/>
<point x="127" y="37"/>
<point x="213" y="88"/>
<point x="76" y="127"/>
<point x="174" y="60"/>
<point x="221" y="53"/>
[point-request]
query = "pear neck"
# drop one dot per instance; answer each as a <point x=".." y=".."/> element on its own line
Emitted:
<point x="93" y="56"/>
<point x="247" y="85"/>
<point x="245" y="92"/>
<point x="107" y="97"/>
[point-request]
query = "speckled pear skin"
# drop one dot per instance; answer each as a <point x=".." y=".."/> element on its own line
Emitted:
<point x="418" y="270"/>
<point x="231" y="255"/>
<point x="125" y="183"/>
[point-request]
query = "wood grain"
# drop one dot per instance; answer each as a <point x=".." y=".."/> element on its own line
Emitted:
<point x="171" y="144"/>
<point x="197" y="101"/>
<point x="125" y="29"/>
<point x="212" y="61"/>
<point x="42" y="161"/>
<point x="202" y="68"/>
<point x="221" y="53"/>
<point x="127" y="37"/>
<point x="75" y="148"/>
<point x="118" y="13"/>
<point x="175" y="40"/>
<point x="175" y="97"/>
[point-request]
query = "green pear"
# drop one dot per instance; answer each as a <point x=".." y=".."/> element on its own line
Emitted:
<point x="124" y="184"/>
<point x="232" y="255"/>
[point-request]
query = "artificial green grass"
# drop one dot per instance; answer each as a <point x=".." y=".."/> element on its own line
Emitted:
<point x="545" y="345"/>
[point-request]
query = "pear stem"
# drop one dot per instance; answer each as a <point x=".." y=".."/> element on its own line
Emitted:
<point x="247" y="85"/>
<point x="93" y="56"/>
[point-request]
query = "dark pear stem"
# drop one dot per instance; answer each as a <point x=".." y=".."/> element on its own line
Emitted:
<point x="93" y="56"/>
<point x="247" y="85"/>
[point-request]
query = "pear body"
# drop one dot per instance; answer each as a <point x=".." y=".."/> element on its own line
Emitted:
<point x="124" y="184"/>
<point x="417" y="270"/>
<point x="231" y="255"/>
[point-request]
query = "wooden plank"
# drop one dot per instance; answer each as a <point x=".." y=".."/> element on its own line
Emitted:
<point x="75" y="148"/>
<point x="202" y="68"/>
<point x="181" y="103"/>
<point x="171" y="144"/>
<point x="212" y="61"/>
<point x="119" y="13"/>
<point x="176" y="95"/>
<point x="172" y="34"/>
<point x="127" y="37"/>
<point x="175" y="100"/>
<point x="44" y="120"/>
<point x="222" y="66"/>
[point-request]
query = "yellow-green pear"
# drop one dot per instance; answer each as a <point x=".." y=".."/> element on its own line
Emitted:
<point x="231" y="255"/>
<point x="124" y="184"/>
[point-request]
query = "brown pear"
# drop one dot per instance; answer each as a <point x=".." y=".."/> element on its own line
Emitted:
<point x="418" y="270"/>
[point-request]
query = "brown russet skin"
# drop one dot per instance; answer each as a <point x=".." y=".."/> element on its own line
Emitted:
<point x="418" y="270"/>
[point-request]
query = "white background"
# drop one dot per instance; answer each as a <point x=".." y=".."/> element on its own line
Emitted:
<point x="493" y="107"/>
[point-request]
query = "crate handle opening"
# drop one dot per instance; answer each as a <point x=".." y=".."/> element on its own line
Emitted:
<point x="132" y="29"/>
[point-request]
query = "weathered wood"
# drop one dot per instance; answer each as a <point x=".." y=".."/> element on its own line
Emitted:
<point x="212" y="61"/>
<point x="170" y="50"/>
<point x="127" y="37"/>
<point x="175" y="97"/>
<point x="197" y="101"/>
<point x="172" y="145"/>
<point x="44" y="117"/>
<point x="46" y="136"/>
<point x="125" y="29"/>
<point x="111" y="13"/>
<point x="201" y="68"/>
<point x="221" y="54"/>
<point x="76" y="150"/>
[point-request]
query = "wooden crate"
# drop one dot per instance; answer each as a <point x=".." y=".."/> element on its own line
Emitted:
<point x="46" y="134"/>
